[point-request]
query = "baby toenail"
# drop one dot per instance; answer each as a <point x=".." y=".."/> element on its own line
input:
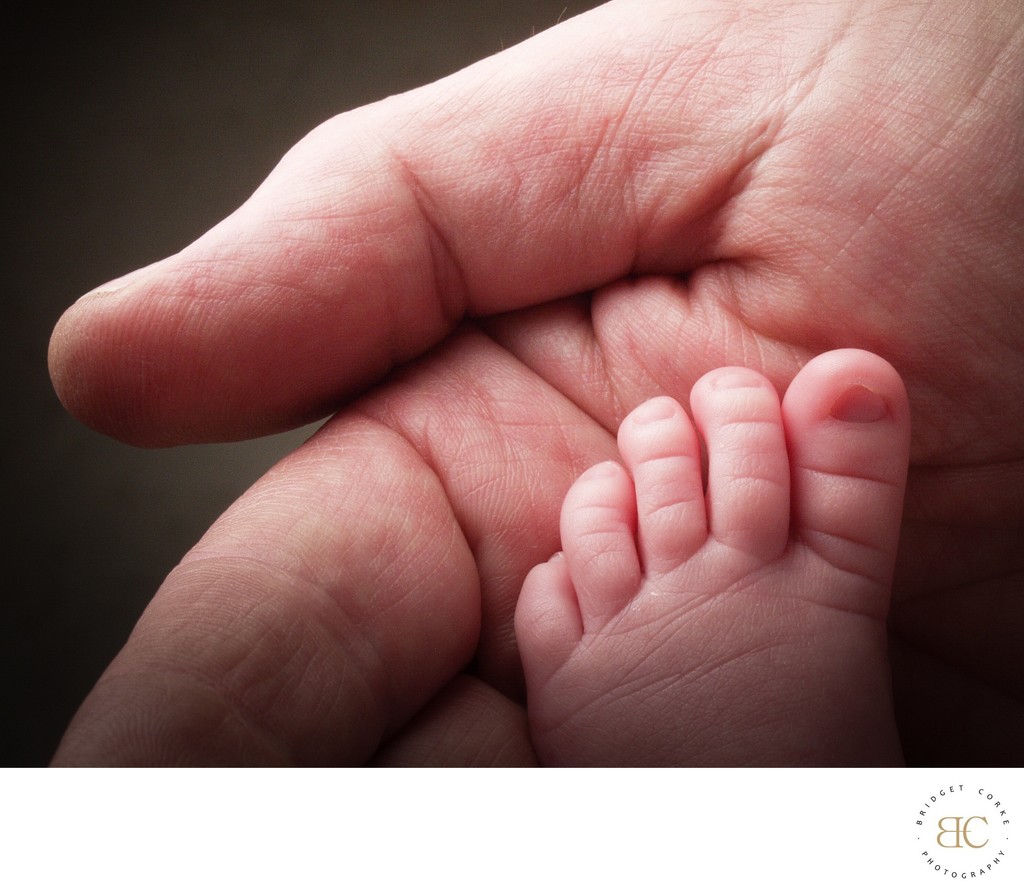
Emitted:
<point x="656" y="410"/>
<point x="858" y="404"/>
<point x="737" y="378"/>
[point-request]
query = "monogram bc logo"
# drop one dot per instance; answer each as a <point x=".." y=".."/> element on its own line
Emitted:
<point x="959" y="831"/>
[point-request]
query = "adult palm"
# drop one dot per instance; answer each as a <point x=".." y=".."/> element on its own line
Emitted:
<point x="527" y="250"/>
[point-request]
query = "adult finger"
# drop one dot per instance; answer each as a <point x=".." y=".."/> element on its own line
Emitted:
<point x="598" y="149"/>
<point x="347" y="588"/>
<point x="314" y="619"/>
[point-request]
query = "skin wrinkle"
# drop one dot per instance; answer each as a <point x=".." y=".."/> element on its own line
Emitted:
<point x="449" y="277"/>
<point x="616" y="138"/>
<point x="747" y="340"/>
<point x="742" y="582"/>
<point x="371" y="676"/>
<point x="403" y="428"/>
<point x="270" y="739"/>
<point x="811" y="531"/>
<point x="594" y="358"/>
<point x="231" y="706"/>
<point x="519" y="176"/>
<point x="810" y="534"/>
<point x="886" y="483"/>
<point x="654" y="512"/>
<point x="636" y="685"/>
<point x="267" y="739"/>
<point x="599" y="365"/>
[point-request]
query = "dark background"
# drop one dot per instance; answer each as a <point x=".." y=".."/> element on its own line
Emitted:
<point x="130" y="130"/>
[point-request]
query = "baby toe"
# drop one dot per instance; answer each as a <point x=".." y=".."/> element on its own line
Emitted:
<point x="661" y="450"/>
<point x="848" y="424"/>
<point x="598" y="529"/>
<point x="737" y="411"/>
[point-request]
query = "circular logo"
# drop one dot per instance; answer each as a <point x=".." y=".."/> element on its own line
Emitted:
<point x="963" y="831"/>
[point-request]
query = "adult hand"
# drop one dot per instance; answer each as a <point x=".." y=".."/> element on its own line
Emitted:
<point x="670" y="187"/>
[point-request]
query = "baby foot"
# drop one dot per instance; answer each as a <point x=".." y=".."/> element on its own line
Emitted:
<point x="741" y="624"/>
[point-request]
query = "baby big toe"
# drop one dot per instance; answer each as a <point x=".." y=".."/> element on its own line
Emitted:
<point x="848" y="425"/>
